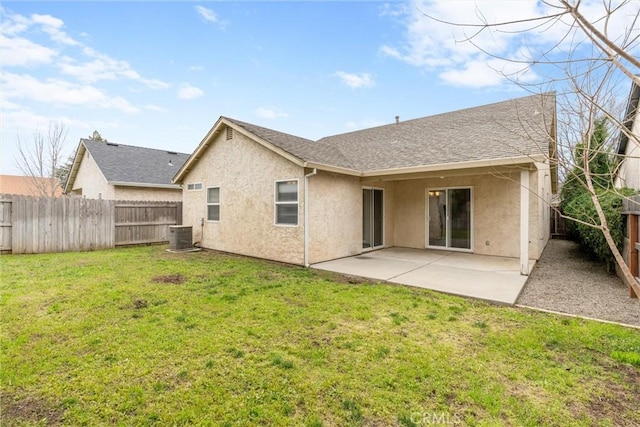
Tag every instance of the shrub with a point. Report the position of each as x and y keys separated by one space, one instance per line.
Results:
x=581 y=207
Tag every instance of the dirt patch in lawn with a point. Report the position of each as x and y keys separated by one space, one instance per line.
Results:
x=28 y=410
x=175 y=279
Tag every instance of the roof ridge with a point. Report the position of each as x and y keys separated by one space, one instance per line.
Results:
x=132 y=146
x=463 y=110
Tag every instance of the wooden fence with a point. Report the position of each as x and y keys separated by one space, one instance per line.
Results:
x=39 y=225
x=145 y=222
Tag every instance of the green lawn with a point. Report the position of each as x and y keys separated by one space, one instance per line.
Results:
x=139 y=336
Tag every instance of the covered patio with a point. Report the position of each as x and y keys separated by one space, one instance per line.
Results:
x=491 y=278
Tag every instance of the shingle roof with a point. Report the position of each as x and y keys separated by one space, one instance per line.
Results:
x=519 y=127
x=514 y=128
x=126 y=163
x=302 y=148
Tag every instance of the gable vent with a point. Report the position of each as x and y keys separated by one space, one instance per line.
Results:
x=229 y=133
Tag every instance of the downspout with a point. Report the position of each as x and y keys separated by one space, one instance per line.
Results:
x=306 y=215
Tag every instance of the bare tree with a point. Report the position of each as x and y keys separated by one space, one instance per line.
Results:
x=590 y=64
x=41 y=160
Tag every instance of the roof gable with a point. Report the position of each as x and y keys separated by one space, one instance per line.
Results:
x=129 y=165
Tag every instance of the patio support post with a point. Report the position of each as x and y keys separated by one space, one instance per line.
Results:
x=306 y=215
x=524 y=222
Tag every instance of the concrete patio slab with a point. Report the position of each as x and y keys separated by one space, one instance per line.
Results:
x=495 y=279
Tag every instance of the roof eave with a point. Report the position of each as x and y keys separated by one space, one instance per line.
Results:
x=330 y=168
x=75 y=166
x=505 y=161
x=145 y=185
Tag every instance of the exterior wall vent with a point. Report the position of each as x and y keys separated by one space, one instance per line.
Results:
x=229 y=133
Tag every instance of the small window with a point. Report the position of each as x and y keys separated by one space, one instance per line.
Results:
x=194 y=186
x=213 y=204
x=287 y=202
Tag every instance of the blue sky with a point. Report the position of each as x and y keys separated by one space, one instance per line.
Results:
x=159 y=74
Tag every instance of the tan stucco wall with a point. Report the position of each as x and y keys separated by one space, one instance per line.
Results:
x=246 y=173
x=335 y=216
x=629 y=173
x=539 y=213
x=149 y=194
x=496 y=211
x=90 y=182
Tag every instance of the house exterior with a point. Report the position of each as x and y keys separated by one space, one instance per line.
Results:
x=629 y=151
x=628 y=175
x=110 y=171
x=29 y=186
x=476 y=180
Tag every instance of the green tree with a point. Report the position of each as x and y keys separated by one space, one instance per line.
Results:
x=601 y=164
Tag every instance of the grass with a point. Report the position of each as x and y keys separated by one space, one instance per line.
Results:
x=139 y=336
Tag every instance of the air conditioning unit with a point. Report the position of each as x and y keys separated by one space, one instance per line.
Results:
x=180 y=237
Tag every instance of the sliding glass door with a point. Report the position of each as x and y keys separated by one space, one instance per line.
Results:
x=372 y=218
x=449 y=218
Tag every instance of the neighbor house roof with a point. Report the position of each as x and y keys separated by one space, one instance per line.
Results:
x=127 y=165
x=522 y=128
x=630 y=115
x=28 y=186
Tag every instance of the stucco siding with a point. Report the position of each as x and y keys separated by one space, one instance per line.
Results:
x=539 y=213
x=148 y=194
x=335 y=216
x=629 y=173
x=90 y=182
x=246 y=173
x=496 y=212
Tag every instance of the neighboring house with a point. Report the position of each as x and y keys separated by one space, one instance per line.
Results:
x=628 y=175
x=29 y=186
x=629 y=150
x=106 y=170
x=454 y=181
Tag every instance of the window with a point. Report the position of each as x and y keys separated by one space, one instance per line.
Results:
x=194 y=186
x=213 y=204
x=287 y=202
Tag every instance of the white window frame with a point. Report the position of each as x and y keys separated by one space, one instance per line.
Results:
x=193 y=184
x=219 y=203
x=276 y=202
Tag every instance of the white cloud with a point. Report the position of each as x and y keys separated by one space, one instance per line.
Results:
x=53 y=26
x=270 y=112
x=209 y=15
x=445 y=48
x=356 y=80
x=186 y=91
x=156 y=108
x=103 y=67
x=196 y=68
x=18 y=51
x=60 y=93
